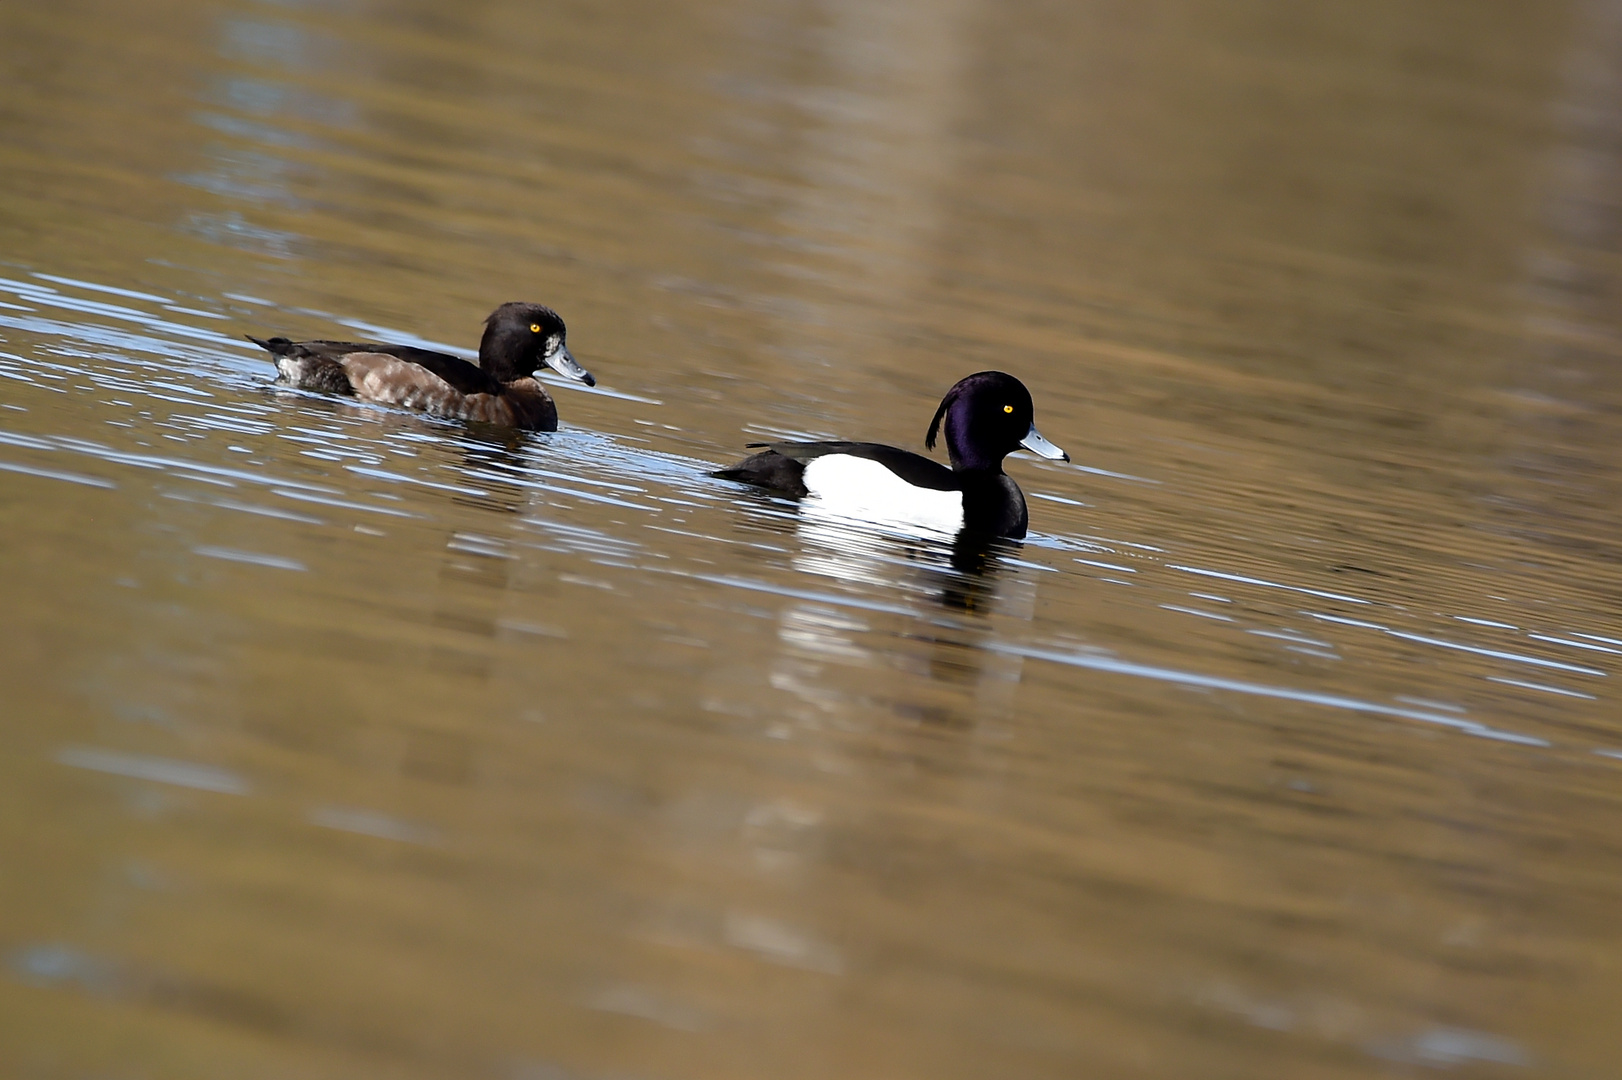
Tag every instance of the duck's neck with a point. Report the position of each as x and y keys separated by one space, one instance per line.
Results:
x=961 y=449
x=990 y=467
x=497 y=350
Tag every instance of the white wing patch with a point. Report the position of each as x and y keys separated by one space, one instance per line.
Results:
x=861 y=488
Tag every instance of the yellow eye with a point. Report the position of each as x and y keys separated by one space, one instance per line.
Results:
x=535 y=328
x=1007 y=408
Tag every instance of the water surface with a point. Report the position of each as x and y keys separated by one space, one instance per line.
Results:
x=341 y=741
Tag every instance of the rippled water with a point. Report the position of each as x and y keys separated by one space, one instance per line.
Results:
x=341 y=741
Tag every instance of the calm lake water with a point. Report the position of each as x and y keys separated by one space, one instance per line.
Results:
x=344 y=742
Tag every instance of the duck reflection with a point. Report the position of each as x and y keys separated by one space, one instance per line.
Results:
x=478 y=569
x=921 y=667
x=493 y=458
x=959 y=573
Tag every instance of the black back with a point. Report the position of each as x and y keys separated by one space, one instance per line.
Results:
x=915 y=469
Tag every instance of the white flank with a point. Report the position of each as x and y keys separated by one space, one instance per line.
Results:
x=863 y=489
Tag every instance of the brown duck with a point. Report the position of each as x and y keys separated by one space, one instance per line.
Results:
x=500 y=389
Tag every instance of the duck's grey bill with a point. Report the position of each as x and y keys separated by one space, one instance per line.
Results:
x=564 y=363
x=1034 y=442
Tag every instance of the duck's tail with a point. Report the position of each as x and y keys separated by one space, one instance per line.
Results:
x=276 y=346
x=305 y=369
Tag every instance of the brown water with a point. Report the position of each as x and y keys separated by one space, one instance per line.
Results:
x=343 y=742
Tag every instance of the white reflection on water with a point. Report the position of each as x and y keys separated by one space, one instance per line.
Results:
x=56 y=474
x=780 y=942
x=1109 y=664
x=371 y=823
x=1496 y=654
x=1446 y=1047
x=821 y=633
x=253 y=558
x=1244 y=580
x=188 y=774
x=1540 y=687
x=643 y=1003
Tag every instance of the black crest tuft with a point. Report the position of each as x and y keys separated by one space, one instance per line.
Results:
x=935 y=424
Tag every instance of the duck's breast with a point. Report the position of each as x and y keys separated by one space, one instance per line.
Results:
x=523 y=403
x=993 y=505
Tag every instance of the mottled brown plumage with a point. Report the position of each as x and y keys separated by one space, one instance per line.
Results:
x=499 y=389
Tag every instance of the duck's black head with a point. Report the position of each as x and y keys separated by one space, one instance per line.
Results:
x=519 y=338
x=988 y=416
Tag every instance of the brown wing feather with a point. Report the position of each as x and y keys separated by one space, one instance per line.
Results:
x=466 y=377
x=392 y=381
x=380 y=377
